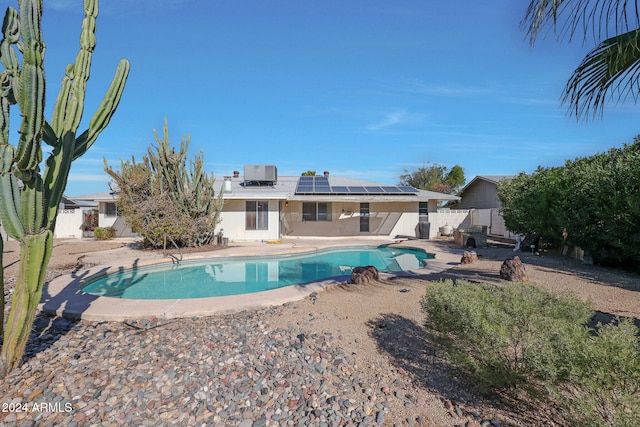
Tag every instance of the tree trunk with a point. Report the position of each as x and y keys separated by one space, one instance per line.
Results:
x=35 y=251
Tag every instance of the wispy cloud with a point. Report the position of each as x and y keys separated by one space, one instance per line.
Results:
x=395 y=118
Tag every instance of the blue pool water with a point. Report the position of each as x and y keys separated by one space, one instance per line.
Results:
x=233 y=276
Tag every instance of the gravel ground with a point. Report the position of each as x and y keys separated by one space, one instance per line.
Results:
x=351 y=355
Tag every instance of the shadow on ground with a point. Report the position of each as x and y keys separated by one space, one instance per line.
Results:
x=411 y=348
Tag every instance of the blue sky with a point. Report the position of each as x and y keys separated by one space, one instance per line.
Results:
x=362 y=88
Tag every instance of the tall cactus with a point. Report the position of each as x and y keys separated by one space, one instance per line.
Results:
x=175 y=201
x=29 y=200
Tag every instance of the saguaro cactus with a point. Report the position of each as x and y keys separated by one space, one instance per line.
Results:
x=29 y=200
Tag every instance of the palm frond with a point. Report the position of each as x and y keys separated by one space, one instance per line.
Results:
x=596 y=18
x=612 y=69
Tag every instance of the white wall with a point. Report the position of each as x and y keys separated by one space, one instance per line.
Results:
x=69 y=223
x=456 y=218
x=233 y=222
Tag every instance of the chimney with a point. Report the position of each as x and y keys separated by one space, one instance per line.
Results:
x=326 y=174
x=236 y=174
x=227 y=184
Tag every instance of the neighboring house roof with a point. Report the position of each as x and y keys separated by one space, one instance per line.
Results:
x=70 y=203
x=494 y=179
x=285 y=189
x=106 y=196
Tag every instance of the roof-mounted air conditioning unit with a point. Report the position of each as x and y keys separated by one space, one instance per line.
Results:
x=260 y=173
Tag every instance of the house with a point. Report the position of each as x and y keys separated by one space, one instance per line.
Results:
x=481 y=196
x=72 y=214
x=264 y=206
x=108 y=215
x=71 y=217
x=260 y=205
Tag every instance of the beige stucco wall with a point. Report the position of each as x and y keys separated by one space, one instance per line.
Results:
x=233 y=222
x=285 y=219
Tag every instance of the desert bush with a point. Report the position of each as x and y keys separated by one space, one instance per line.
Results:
x=521 y=335
x=107 y=233
x=603 y=388
x=504 y=335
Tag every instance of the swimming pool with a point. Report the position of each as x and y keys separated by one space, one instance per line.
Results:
x=243 y=275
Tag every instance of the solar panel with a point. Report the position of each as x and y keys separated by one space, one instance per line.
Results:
x=339 y=189
x=407 y=189
x=357 y=189
x=374 y=189
x=391 y=189
x=320 y=185
x=321 y=179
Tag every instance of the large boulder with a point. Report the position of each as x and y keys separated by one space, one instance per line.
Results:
x=513 y=270
x=365 y=274
x=469 y=257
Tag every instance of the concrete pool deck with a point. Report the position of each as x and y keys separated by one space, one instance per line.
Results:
x=63 y=295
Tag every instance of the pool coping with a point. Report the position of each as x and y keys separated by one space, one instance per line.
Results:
x=62 y=296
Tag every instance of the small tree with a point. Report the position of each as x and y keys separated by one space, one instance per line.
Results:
x=435 y=177
x=163 y=199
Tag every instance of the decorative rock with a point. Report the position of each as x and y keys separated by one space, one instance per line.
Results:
x=469 y=257
x=360 y=275
x=513 y=270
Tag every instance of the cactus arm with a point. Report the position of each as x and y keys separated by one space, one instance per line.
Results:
x=49 y=135
x=31 y=89
x=57 y=119
x=69 y=106
x=9 y=206
x=11 y=35
x=32 y=205
x=55 y=177
x=105 y=111
x=4 y=111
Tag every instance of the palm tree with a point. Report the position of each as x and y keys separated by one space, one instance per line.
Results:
x=612 y=68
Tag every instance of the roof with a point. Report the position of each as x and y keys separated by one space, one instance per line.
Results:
x=493 y=179
x=106 y=196
x=70 y=203
x=285 y=189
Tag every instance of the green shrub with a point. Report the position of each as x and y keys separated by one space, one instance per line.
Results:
x=596 y=198
x=504 y=335
x=521 y=335
x=603 y=388
x=107 y=233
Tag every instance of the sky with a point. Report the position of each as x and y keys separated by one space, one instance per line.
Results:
x=366 y=89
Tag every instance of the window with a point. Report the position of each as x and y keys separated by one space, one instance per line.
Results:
x=110 y=209
x=364 y=217
x=423 y=209
x=257 y=215
x=316 y=211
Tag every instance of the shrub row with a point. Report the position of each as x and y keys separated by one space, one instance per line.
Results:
x=596 y=198
x=518 y=335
